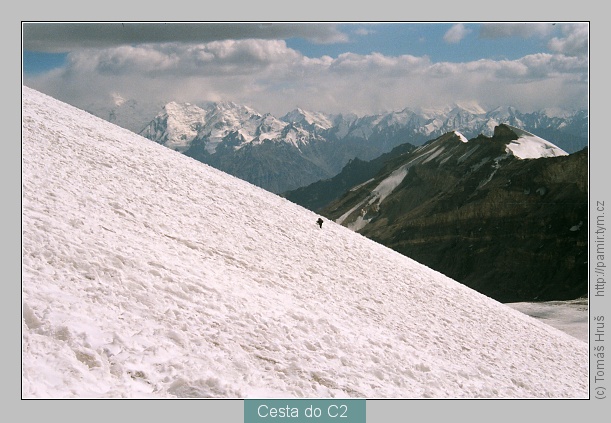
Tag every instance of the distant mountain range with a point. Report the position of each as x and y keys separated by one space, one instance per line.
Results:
x=302 y=147
x=505 y=215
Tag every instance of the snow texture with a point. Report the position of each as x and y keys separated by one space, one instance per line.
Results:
x=147 y=274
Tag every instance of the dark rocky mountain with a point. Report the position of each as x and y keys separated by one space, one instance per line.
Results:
x=318 y=194
x=270 y=165
x=505 y=215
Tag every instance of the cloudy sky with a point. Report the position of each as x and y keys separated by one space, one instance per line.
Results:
x=330 y=67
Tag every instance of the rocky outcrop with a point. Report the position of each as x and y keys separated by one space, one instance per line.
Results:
x=320 y=193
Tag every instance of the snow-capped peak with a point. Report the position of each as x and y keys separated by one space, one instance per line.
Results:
x=471 y=107
x=236 y=111
x=554 y=112
x=317 y=119
x=182 y=123
x=529 y=146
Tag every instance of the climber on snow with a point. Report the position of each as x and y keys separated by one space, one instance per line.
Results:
x=319 y=221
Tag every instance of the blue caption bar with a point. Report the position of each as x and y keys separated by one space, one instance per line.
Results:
x=305 y=410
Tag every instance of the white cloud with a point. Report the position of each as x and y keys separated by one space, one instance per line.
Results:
x=456 y=34
x=271 y=77
x=364 y=31
x=574 y=42
x=178 y=60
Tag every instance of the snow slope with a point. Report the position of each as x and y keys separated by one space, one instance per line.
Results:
x=146 y=274
x=529 y=146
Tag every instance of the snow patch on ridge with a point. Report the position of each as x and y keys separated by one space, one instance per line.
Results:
x=529 y=146
x=461 y=137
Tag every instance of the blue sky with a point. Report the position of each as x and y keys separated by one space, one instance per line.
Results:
x=423 y=39
x=35 y=62
x=322 y=66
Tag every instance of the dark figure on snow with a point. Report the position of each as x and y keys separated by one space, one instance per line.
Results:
x=319 y=221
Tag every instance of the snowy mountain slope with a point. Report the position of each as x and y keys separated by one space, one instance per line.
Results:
x=146 y=274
